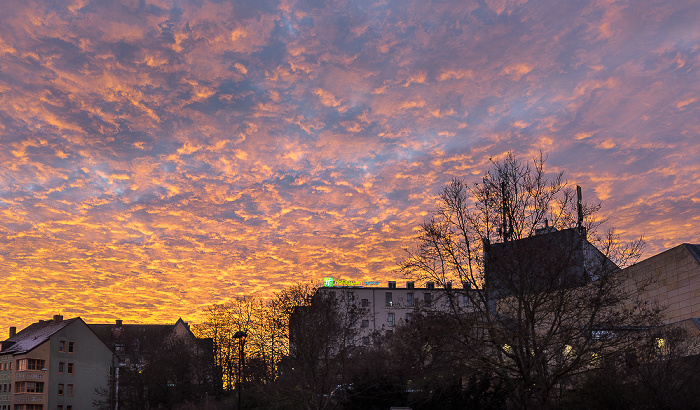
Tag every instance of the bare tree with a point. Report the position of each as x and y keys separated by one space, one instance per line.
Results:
x=545 y=293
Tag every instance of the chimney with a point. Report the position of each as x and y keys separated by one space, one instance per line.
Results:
x=57 y=318
x=119 y=323
x=13 y=331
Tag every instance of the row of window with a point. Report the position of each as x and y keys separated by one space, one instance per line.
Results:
x=391 y=320
x=66 y=389
x=37 y=364
x=410 y=300
x=29 y=387
x=30 y=364
x=62 y=346
x=38 y=387
x=6 y=366
x=68 y=407
x=28 y=407
x=62 y=368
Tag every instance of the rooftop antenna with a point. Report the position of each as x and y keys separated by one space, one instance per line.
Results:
x=504 y=223
x=579 y=207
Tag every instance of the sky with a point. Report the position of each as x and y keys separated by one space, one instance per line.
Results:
x=162 y=156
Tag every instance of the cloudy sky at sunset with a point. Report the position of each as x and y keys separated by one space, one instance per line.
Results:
x=161 y=156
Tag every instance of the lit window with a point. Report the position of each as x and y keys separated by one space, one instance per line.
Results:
x=507 y=349
x=391 y=319
x=70 y=368
x=409 y=299
x=71 y=347
x=661 y=345
x=389 y=299
x=567 y=349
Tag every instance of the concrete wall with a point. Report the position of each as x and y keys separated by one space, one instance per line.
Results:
x=91 y=360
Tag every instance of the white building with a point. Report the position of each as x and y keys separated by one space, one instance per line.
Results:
x=380 y=309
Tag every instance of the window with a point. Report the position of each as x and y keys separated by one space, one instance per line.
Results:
x=29 y=387
x=409 y=299
x=70 y=368
x=35 y=364
x=69 y=407
x=59 y=407
x=465 y=300
x=365 y=323
x=409 y=316
x=71 y=347
x=30 y=364
x=69 y=389
x=61 y=367
x=62 y=346
x=365 y=340
x=389 y=299
x=389 y=333
x=365 y=302
x=60 y=389
x=428 y=298
x=350 y=298
x=391 y=319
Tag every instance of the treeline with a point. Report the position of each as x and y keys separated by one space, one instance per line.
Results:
x=424 y=364
x=266 y=325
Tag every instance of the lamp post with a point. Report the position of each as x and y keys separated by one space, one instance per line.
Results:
x=240 y=335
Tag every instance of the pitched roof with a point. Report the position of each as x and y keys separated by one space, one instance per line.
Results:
x=111 y=333
x=33 y=335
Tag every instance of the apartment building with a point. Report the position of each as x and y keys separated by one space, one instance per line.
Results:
x=376 y=311
x=55 y=364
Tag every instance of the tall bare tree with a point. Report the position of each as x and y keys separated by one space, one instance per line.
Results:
x=545 y=295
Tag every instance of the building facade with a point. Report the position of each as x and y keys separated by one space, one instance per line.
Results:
x=370 y=313
x=55 y=364
x=671 y=280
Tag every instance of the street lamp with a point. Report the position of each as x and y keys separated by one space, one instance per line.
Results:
x=240 y=335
